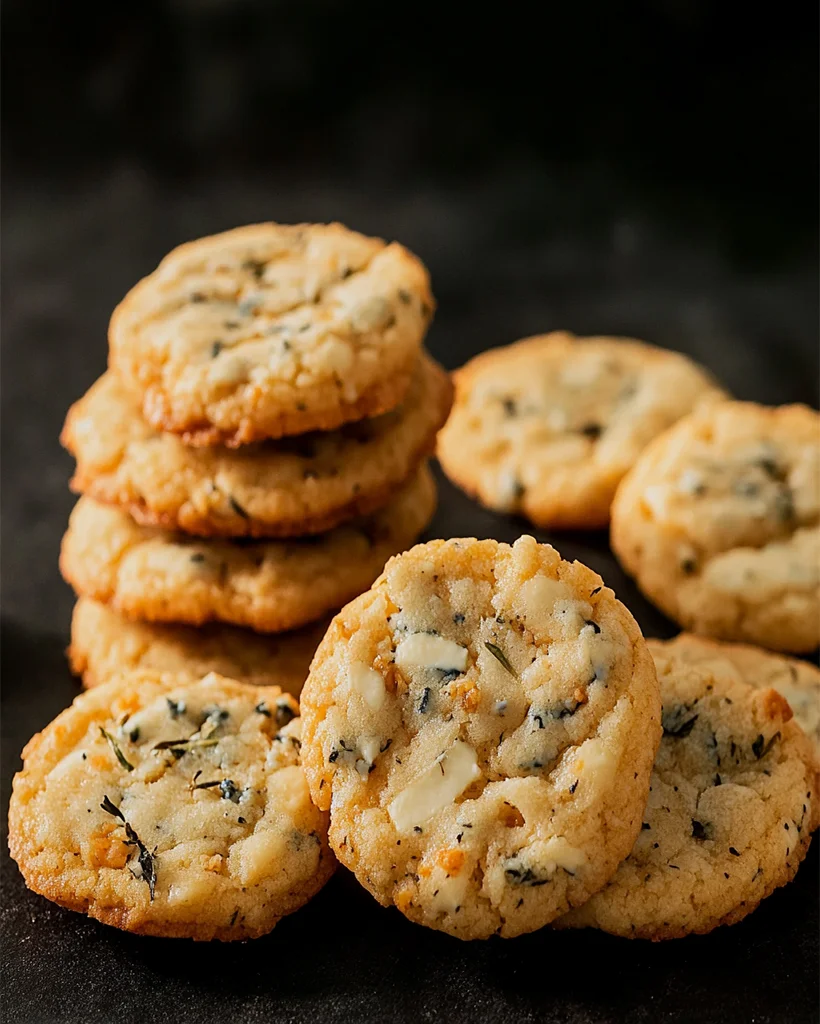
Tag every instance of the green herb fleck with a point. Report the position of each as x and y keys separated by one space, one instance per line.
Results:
x=675 y=723
x=500 y=657
x=111 y=808
x=126 y=764
x=145 y=860
x=237 y=507
x=760 y=748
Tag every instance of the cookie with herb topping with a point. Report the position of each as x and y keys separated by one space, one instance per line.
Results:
x=796 y=680
x=285 y=488
x=105 y=644
x=481 y=725
x=719 y=523
x=178 y=810
x=730 y=807
x=548 y=427
x=268 y=585
x=270 y=330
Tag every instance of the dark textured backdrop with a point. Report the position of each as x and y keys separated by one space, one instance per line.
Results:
x=645 y=169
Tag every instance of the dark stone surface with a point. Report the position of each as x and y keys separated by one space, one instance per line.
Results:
x=500 y=270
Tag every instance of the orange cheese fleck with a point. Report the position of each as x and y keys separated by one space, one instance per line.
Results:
x=404 y=899
x=451 y=861
x=107 y=851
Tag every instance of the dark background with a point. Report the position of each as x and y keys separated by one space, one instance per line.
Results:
x=646 y=169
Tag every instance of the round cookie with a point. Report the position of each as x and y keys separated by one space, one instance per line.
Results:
x=104 y=645
x=287 y=488
x=178 y=810
x=796 y=680
x=270 y=330
x=271 y=586
x=719 y=523
x=729 y=814
x=481 y=725
x=547 y=427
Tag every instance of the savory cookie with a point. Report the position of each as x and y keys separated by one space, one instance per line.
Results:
x=270 y=330
x=104 y=645
x=719 y=523
x=796 y=680
x=284 y=488
x=482 y=725
x=547 y=427
x=171 y=809
x=730 y=807
x=271 y=586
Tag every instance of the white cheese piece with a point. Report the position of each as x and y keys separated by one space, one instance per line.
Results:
x=537 y=598
x=252 y=860
x=448 y=890
x=369 y=684
x=231 y=370
x=690 y=481
x=571 y=615
x=656 y=498
x=507 y=491
x=370 y=748
x=558 y=853
x=424 y=650
x=435 y=788
x=594 y=759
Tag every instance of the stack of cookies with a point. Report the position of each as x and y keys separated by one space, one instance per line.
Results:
x=254 y=454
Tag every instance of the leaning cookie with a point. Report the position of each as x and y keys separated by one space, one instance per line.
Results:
x=271 y=586
x=547 y=427
x=269 y=330
x=796 y=680
x=170 y=809
x=719 y=523
x=482 y=725
x=285 y=488
x=104 y=645
x=729 y=815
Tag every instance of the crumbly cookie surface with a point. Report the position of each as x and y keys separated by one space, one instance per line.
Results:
x=547 y=427
x=796 y=680
x=105 y=644
x=268 y=585
x=284 y=488
x=719 y=523
x=270 y=330
x=729 y=814
x=178 y=810
x=481 y=725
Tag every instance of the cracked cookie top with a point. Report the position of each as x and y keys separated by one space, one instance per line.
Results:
x=482 y=725
x=719 y=523
x=270 y=330
x=171 y=809
x=730 y=809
